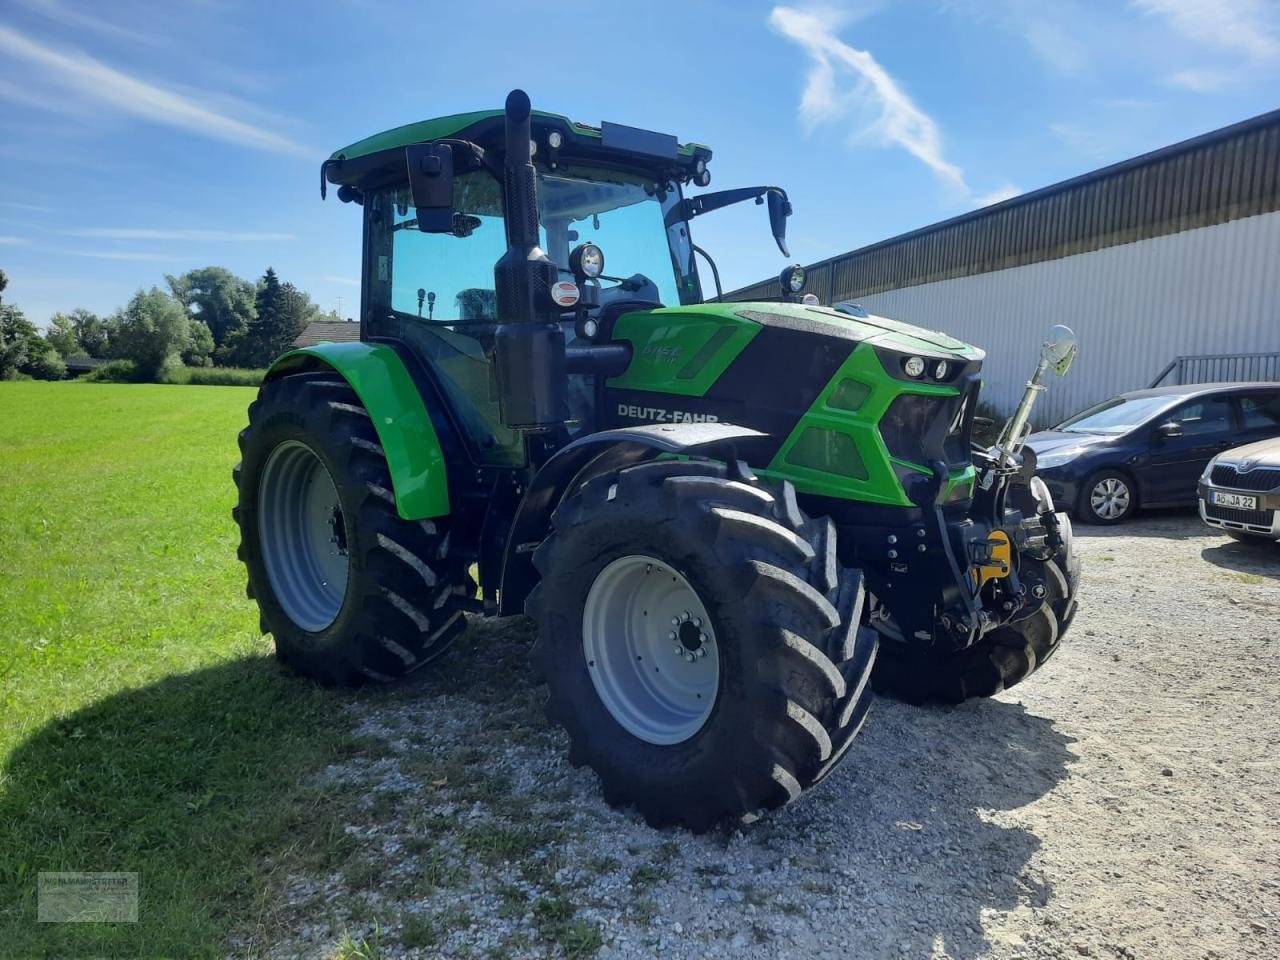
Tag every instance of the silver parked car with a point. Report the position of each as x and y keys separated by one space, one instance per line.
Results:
x=1240 y=491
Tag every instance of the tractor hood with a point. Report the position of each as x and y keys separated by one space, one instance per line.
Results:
x=852 y=322
x=781 y=367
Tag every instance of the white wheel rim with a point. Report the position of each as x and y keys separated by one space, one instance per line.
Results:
x=1109 y=498
x=303 y=536
x=650 y=650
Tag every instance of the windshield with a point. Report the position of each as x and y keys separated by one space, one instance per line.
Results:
x=1117 y=415
x=623 y=214
x=445 y=277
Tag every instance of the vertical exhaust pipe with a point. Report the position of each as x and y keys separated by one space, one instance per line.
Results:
x=529 y=343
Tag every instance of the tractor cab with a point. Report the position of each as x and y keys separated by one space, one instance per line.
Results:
x=612 y=218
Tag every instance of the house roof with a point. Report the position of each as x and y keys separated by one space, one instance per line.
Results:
x=332 y=331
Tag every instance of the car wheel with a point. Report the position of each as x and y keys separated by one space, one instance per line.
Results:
x=1108 y=496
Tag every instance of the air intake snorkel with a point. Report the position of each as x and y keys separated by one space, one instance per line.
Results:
x=529 y=342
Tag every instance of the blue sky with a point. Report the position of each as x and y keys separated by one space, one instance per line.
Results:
x=138 y=139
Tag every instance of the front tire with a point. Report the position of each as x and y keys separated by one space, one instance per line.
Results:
x=635 y=558
x=350 y=591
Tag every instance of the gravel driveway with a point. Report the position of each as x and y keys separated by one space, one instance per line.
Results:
x=1122 y=803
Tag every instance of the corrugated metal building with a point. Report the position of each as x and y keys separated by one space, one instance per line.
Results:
x=1173 y=253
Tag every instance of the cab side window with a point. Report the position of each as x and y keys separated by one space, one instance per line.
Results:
x=1204 y=417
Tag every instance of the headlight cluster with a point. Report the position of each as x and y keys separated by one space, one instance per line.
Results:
x=1057 y=457
x=915 y=368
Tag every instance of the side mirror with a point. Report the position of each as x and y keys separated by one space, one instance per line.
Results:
x=431 y=184
x=779 y=210
x=1059 y=350
x=1169 y=430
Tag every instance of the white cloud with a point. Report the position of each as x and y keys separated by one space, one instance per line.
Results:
x=899 y=120
x=345 y=281
x=1248 y=27
x=33 y=207
x=220 y=236
x=78 y=19
x=11 y=241
x=93 y=80
x=1007 y=192
x=1081 y=140
x=1199 y=81
x=119 y=255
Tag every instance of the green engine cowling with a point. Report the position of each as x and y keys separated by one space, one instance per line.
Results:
x=833 y=390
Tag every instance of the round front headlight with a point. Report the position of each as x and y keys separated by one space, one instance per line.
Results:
x=940 y=371
x=793 y=278
x=554 y=139
x=913 y=366
x=586 y=261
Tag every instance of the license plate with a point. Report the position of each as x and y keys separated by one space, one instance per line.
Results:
x=1239 y=501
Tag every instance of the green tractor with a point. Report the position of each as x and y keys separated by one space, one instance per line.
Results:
x=716 y=513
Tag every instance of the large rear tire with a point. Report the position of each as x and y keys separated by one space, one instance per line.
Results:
x=350 y=591
x=701 y=644
x=1000 y=659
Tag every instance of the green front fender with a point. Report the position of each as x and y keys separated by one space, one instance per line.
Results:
x=380 y=379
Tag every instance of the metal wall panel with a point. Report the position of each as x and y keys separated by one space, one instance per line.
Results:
x=1134 y=307
x=1215 y=178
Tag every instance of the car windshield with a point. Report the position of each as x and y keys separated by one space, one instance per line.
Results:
x=1117 y=415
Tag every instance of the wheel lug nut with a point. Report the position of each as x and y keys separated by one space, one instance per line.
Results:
x=702 y=638
x=675 y=621
x=697 y=621
x=702 y=651
x=689 y=657
x=671 y=635
x=685 y=616
x=678 y=649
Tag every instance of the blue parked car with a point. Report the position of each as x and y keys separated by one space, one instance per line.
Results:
x=1148 y=448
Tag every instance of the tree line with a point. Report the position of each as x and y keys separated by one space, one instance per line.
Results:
x=207 y=317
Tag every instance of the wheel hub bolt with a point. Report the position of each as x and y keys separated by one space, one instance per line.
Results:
x=685 y=616
x=671 y=635
x=678 y=649
x=1038 y=591
x=689 y=657
x=675 y=621
x=893 y=554
x=893 y=538
x=697 y=621
x=702 y=651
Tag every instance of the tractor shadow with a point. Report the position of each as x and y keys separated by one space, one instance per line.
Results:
x=198 y=782
x=902 y=850
x=914 y=829
x=215 y=787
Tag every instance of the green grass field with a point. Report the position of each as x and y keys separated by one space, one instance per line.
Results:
x=144 y=726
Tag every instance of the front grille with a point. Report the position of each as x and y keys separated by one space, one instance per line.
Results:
x=1254 y=518
x=920 y=428
x=1224 y=475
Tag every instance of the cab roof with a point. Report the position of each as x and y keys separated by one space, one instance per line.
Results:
x=379 y=157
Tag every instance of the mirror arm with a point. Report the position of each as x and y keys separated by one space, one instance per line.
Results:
x=692 y=207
